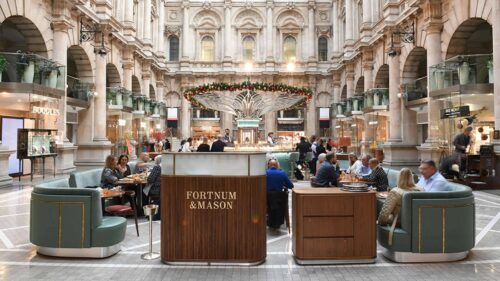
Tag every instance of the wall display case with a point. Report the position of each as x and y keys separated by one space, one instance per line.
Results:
x=36 y=143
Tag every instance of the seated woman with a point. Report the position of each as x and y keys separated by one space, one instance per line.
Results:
x=377 y=176
x=109 y=174
x=392 y=205
x=123 y=168
x=154 y=181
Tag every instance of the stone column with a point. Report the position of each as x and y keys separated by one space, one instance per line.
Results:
x=146 y=38
x=367 y=20
x=336 y=99
x=161 y=31
x=336 y=29
x=226 y=121
x=129 y=16
x=269 y=36
x=185 y=119
x=496 y=73
x=146 y=80
x=160 y=88
x=375 y=12
x=100 y=99
x=369 y=131
x=65 y=149
x=227 y=33
x=349 y=20
x=311 y=116
x=311 y=45
x=270 y=120
x=394 y=100
x=140 y=21
x=185 y=56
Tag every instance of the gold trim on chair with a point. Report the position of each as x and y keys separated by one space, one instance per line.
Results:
x=443 y=222
x=59 y=227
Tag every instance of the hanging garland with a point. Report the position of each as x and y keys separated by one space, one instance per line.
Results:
x=247 y=85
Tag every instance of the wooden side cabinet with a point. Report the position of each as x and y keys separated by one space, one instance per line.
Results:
x=331 y=226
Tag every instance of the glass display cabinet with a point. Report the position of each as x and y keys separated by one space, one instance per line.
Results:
x=36 y=143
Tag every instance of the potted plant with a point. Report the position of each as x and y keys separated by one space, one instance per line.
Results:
x=119 y=97
x=25 y=67
x=49 y=70
x=368 y=99
x=463 y=71
x=385 y=97
x=3 y=65
x=489 y=65
x=376 y=97
x=111 y=96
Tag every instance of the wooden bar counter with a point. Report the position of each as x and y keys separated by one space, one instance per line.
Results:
x=331 y=226
x=213 y=208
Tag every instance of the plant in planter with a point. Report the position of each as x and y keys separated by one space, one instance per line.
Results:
x=49 y=71
x=26 y=67
x=111 y=96
x=3 y=65
x=119 y=97
x=463 y=70
x=489 y=65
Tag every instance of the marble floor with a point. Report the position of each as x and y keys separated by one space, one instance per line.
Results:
x=19 y=261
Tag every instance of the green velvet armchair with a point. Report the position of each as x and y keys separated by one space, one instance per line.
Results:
x=68 y=222
x=435 y=227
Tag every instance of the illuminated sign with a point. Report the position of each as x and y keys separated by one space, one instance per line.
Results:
x=45 y=110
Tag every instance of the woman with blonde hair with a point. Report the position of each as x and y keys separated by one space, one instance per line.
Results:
x=392 y=205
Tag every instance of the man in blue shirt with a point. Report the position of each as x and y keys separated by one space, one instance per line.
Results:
x=276 y=181
x=431 y=179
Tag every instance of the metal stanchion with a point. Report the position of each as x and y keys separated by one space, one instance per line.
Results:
x=150 y=210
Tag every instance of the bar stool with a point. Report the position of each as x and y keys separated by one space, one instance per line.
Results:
x=125 y=210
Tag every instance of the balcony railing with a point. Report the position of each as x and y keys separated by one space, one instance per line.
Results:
x=376 y=97
x=416 y=89
x=355 y=104
x=118 y=96
x=31 y=69
x=462 y=70
x=78 y=89
x=340 y=109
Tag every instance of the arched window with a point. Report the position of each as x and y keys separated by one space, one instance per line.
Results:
x=289 y=49
x=322 y=49
x=248 y=48
x=207 y=49
x=173 y=48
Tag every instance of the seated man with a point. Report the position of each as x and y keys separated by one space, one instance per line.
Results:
x=431 y=179
x=377 y=176
x=450 y=166
x=328 y=172
x=276 y=181
x=321 y=159
x=142 y=163
x=362 y=168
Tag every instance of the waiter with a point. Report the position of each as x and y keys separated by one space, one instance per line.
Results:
x=227 y=138
x=461 y=142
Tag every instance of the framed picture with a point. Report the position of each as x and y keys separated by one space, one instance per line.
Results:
x=496 y=134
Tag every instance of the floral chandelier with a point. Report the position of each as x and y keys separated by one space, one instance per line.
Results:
x=248 y=100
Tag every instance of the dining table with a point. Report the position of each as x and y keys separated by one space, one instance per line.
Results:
x=138 y=185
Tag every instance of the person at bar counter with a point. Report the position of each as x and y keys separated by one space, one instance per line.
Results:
x=450 y=166
x=203 y=147
x=277 y=182
x=431 y=179
x=218 y=145
x=228 y=140
x=303 y=147
x=186 y=147
x=154 y=185
x=377 y=176
x=109 y=174
x=142 y=163
x=123 y=168
x=392 y=204
x=270 y=139
x=461 y=142
x=328 y=173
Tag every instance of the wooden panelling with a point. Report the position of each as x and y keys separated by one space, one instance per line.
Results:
x=331 y=224
x=328 y=226
x=209 y=235
x=328 y=248
x=328 y=206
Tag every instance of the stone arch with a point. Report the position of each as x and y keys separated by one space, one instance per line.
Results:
x=152 y=93
x=20 y=33
x=415 y=65
x=248 y=19
x=360 y=86
x=473 y=36
x=112 y=76
x=79 y=65
x=172 y=99
x=207 y=19
x=136 y=86
x=290 y=19
x=343 y=93
x=382 y=77
x=461 y=13
x=323 y=99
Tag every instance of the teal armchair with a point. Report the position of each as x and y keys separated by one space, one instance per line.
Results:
x=435 y=227
x=68 y=222
x=86 y=178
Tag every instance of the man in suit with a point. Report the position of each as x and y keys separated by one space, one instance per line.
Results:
x=277 y=182
x=218 y=145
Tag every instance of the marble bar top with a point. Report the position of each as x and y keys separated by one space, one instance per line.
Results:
x=214 y=163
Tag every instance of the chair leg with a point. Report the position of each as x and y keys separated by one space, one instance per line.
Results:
x=135 y=216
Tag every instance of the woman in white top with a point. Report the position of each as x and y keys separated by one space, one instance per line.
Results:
x=186 y=147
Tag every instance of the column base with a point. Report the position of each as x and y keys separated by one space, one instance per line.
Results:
x=270 y=64
x=5 y=179
x=92 y=154
x=430 y=151
x=401 y=155
x=65 y=160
